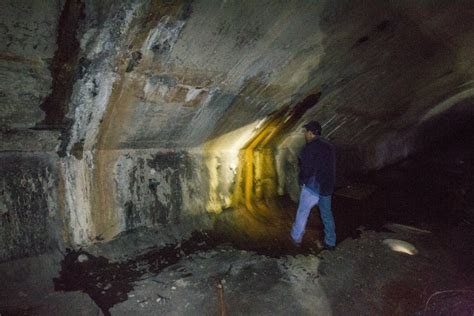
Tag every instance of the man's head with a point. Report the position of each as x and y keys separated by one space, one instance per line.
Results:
x=312 y=130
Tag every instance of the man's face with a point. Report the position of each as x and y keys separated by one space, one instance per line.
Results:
x=308 y=135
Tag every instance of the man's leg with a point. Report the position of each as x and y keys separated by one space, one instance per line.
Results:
x=328 y=220
x=308 y=199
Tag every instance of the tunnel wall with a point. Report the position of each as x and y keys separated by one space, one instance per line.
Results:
x=30 y=187
x=30 y=205
x=166 y=191
x=27 y=46
x=161 y=190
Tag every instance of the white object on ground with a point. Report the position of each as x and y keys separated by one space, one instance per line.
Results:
x=401 y=246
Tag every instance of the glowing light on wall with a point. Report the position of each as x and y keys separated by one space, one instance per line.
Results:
x=243 y=161
x=222 y=161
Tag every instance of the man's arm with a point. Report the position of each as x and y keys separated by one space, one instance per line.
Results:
x=306 y=166
x=332 y=165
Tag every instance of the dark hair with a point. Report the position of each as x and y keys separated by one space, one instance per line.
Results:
x=314 y=127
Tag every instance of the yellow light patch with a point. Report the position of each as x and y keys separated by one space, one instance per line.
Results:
x=247 y=157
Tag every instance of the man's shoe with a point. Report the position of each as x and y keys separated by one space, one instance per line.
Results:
x=295 y=243
x=327 y=247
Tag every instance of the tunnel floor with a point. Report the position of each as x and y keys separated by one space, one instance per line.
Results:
x=247 y=265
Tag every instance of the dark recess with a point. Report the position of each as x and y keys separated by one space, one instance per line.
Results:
x=306 y=104
x=382 y=26
x=134 y=61
x=363 y=39
x=64 y=67
x=78 y=149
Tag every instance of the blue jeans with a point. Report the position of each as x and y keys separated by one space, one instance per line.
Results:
x=308 y=199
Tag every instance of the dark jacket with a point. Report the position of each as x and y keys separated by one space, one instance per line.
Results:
x=318 y=158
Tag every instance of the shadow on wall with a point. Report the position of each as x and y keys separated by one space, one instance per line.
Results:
x=453 y=127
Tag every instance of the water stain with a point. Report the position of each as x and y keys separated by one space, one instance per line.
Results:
x=107 y=283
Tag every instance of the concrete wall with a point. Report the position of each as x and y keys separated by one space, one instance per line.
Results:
x=27 y=46
x=29 y=205
x=30 y=194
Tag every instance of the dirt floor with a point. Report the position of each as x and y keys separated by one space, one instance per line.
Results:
x=406 y=247
x=432 y=275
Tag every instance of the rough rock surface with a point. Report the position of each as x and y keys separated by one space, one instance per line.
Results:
x=361 y=277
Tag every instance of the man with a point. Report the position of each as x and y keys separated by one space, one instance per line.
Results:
x=317 y=176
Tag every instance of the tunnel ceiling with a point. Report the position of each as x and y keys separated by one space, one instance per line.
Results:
x=178 y=74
